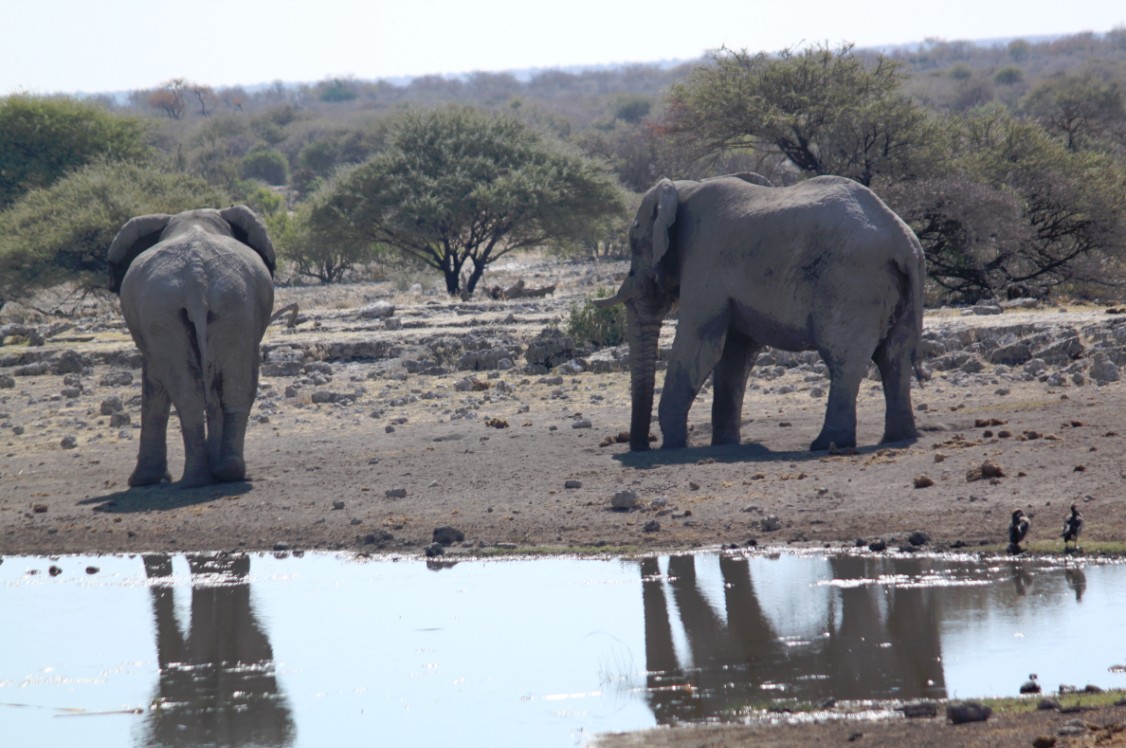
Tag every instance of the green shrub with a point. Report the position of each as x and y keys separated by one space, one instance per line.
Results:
x=600 y=327
x=62 y=232
x=266 y=164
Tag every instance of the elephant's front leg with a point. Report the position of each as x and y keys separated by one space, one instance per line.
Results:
x=730 y=382
x=695 y=351
x=152 y=455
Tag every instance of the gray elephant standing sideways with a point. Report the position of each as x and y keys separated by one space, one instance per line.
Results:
x=196 y=291
x=823 y=265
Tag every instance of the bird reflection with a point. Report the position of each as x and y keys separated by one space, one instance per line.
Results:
x=874 y=641
x=217 y=683
x=1022 y=579
x=1076 y=581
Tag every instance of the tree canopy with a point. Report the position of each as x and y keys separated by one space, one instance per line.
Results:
x=827 y=112
x=62 y=232
x=42 y=139
x=459 y=188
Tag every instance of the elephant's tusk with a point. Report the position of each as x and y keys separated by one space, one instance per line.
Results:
x=618 y=298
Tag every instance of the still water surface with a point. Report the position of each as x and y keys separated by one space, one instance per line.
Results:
x=312 y=651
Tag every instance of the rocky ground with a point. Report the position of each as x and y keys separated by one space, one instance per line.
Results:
x=387 y=413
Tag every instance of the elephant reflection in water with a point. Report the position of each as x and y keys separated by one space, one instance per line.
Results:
x=746 y=659
x=217 y=684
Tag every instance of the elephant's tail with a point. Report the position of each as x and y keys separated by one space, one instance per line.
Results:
x=916 y=272
x=197 y=313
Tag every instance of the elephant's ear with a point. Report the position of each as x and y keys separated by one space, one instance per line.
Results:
x=667 y=202
x=137 y=235
x=249 y=229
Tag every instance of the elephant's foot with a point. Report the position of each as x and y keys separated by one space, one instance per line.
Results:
x=721 y=437
x=148 y=476
x=900 y=435
x=230 y=470
x=674 y=443
x=196 y=477
x=825 y=442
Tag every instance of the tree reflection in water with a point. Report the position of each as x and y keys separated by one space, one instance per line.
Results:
x=217 y=684
x=848 y=642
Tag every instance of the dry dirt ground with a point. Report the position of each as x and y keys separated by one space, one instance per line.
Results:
x=366 y=437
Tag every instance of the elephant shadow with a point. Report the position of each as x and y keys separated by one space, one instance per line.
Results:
x=729 y=453
x=217 y=682
x=164 y=496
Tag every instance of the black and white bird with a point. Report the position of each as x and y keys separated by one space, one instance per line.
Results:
x=1072 y=526
x=1018 y=528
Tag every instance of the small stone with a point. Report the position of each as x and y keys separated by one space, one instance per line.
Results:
x=651 y=526
x=918 y=538
x=397 y=492
x=338 y=504
x=693 y=486
x=625 y=500
x=281 y=546
x=434 y=549
x=582 y=423
x=923 y=481
x=69 y=442
x=54 y=571
x=877 y=546
x=968 y=711
x=919 y=709
x=572 y=483
x=447 y=535
x=39 y=508
x=770 y=524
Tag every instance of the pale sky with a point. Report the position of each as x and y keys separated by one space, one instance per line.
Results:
x=69 y=46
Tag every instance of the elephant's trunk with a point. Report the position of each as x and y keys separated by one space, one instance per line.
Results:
x=644 y=331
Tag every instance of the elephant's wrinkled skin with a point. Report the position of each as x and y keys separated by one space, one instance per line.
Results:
x=823 y=265
x=196 y=291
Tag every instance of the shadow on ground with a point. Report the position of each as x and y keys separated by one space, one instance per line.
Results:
x=163 y=497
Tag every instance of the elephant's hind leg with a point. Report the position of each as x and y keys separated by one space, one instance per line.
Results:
x=895 y=373
x=230 y=465
x=730 y=381
x=840 y=413
x=152 y=456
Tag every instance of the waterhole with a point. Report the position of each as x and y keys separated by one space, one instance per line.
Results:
x=262 y=650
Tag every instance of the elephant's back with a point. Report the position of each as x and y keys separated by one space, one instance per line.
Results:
x=221 y=272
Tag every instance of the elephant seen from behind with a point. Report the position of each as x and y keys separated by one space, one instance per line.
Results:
x=823 y=265
x=196 y=292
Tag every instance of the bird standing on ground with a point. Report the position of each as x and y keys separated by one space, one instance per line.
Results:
x=1018 y=528
x=1072 y=526
x=1030 y=685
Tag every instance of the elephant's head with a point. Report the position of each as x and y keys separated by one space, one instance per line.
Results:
x=144 y=232
x=648 y=292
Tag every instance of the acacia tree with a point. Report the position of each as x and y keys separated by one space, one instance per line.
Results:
x=1014 y=207
x=459 y=188
x=827 y=112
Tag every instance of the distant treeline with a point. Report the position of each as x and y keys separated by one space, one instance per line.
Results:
x=1007 y=159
